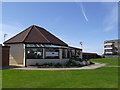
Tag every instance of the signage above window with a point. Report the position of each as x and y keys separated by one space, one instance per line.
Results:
x=52 y=54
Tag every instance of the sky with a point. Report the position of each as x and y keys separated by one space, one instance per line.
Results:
x=73 y=22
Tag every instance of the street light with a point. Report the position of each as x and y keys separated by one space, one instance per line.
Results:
x=5 y=36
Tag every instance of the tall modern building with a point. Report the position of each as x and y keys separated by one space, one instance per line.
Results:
x=112 y=47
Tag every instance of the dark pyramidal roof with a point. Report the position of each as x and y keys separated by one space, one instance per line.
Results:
x=35 y=34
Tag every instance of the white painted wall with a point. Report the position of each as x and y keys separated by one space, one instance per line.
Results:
x=43 y=61
x=17 y=55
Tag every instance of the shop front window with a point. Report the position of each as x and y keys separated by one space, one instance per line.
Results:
x=51 y=53
x=34 y=53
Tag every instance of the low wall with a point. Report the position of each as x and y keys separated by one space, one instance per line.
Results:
x=112 y=56
x=43 y=61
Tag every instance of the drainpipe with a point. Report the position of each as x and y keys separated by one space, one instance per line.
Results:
x=25 y=60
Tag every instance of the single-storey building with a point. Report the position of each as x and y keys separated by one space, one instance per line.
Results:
x=35 y=45
x=86 y=55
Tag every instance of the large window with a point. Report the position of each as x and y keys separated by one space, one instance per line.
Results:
x=78 y=52
x=68 y=53
x=34 y=53
x=51 y=53
x=73 y=52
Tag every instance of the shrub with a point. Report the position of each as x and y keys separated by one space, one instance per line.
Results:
x=58 y=65
x=51 y=64
x=37 y=64
x=45 y=64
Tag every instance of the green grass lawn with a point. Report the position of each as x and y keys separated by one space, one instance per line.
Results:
x=108 y=61
x=104 y=77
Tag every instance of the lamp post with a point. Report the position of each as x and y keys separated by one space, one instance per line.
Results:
x=5 y=36
x=81 y=43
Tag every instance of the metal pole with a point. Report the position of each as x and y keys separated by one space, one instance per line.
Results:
x=81 y=52
x=5 y=36
x=81 y=48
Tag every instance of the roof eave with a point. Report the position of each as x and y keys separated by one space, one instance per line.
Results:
x=33 y=43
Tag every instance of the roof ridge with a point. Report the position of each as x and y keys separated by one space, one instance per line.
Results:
x=28 y=33
x=51 y=34
x=15 y=36
x=42 y=34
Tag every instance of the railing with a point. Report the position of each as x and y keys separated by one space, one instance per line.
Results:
x=108 y=47
x=108 y=44
x=108 y=52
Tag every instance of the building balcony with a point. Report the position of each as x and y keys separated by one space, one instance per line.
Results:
x=108 y=47
x=108 y=52
x=108 y=44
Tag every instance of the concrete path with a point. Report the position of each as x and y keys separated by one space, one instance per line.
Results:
x=94 y=66
x=112 y=66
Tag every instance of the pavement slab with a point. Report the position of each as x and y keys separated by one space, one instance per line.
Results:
x=94 y=66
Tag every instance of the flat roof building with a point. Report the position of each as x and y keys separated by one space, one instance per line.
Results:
x=35 y=45
x=88 y=55
x=112 y=47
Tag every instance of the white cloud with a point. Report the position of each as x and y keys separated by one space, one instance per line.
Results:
x=111 y=20
x=83 y=12
x=108 y=28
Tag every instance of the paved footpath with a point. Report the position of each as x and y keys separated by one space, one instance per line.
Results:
x=112 y=66
x=94 y=66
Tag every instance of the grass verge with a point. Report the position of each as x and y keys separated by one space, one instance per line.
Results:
x=108 y=61
x=105 y=77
